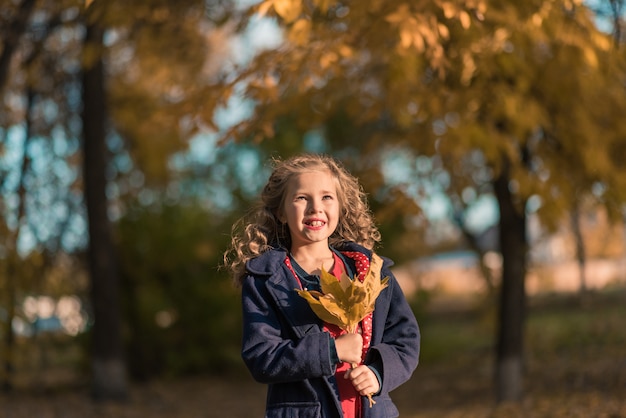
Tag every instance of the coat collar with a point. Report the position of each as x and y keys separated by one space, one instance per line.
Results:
x=281 y=284
x=270 y=261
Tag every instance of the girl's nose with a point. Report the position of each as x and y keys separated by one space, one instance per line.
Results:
x=314 y=207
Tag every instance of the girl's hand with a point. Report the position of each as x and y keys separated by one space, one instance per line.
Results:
x=349 y=348
x=364 y=380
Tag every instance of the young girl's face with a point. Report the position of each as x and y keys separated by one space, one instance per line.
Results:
x=311 y=208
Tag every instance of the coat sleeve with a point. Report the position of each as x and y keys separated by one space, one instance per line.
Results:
x=397 y=350
x=271 y=349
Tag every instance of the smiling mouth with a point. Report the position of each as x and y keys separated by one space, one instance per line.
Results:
x=315 y=223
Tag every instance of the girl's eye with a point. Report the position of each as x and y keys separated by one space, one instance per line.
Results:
x=327 y=197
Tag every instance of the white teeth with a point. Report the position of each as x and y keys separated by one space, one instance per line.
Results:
x=317 y=223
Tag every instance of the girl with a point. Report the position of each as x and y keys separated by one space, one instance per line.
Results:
x=313 y=214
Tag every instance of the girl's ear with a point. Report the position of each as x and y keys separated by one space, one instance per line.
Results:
x=281 y=217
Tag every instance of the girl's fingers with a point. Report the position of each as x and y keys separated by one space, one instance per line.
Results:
x=363 y=380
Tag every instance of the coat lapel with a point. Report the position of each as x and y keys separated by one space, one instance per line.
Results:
x=295 y=309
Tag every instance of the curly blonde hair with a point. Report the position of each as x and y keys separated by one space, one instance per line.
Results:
x=261 y=230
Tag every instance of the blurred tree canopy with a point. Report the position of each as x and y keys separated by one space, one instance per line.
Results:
x=132 y=82
x=520 y=100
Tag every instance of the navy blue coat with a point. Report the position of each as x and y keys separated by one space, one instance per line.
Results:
x=284 y=344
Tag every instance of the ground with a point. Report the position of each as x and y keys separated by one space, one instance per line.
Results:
x=575 y=367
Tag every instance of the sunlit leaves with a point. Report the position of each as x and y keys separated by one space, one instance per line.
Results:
x=289 y=10
x=529 y=81
x=334 y=50
x=452 y=10
x=300 y=32
x=424 y=33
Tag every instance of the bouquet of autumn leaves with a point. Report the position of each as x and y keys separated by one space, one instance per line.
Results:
x=344 y=302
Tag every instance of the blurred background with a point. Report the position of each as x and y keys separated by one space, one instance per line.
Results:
x=489 y=136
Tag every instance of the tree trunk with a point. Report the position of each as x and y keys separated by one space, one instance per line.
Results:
x=109 y=370
x=580 y=249
x=472 y=241
x=8 y=336
x=512 y=309
x=13 y=259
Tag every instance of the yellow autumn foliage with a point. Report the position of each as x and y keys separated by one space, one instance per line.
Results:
x=344 y=302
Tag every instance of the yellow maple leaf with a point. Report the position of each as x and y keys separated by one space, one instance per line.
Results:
x=344 y=302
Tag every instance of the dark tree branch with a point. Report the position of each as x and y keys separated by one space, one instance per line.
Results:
x=12 y=37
